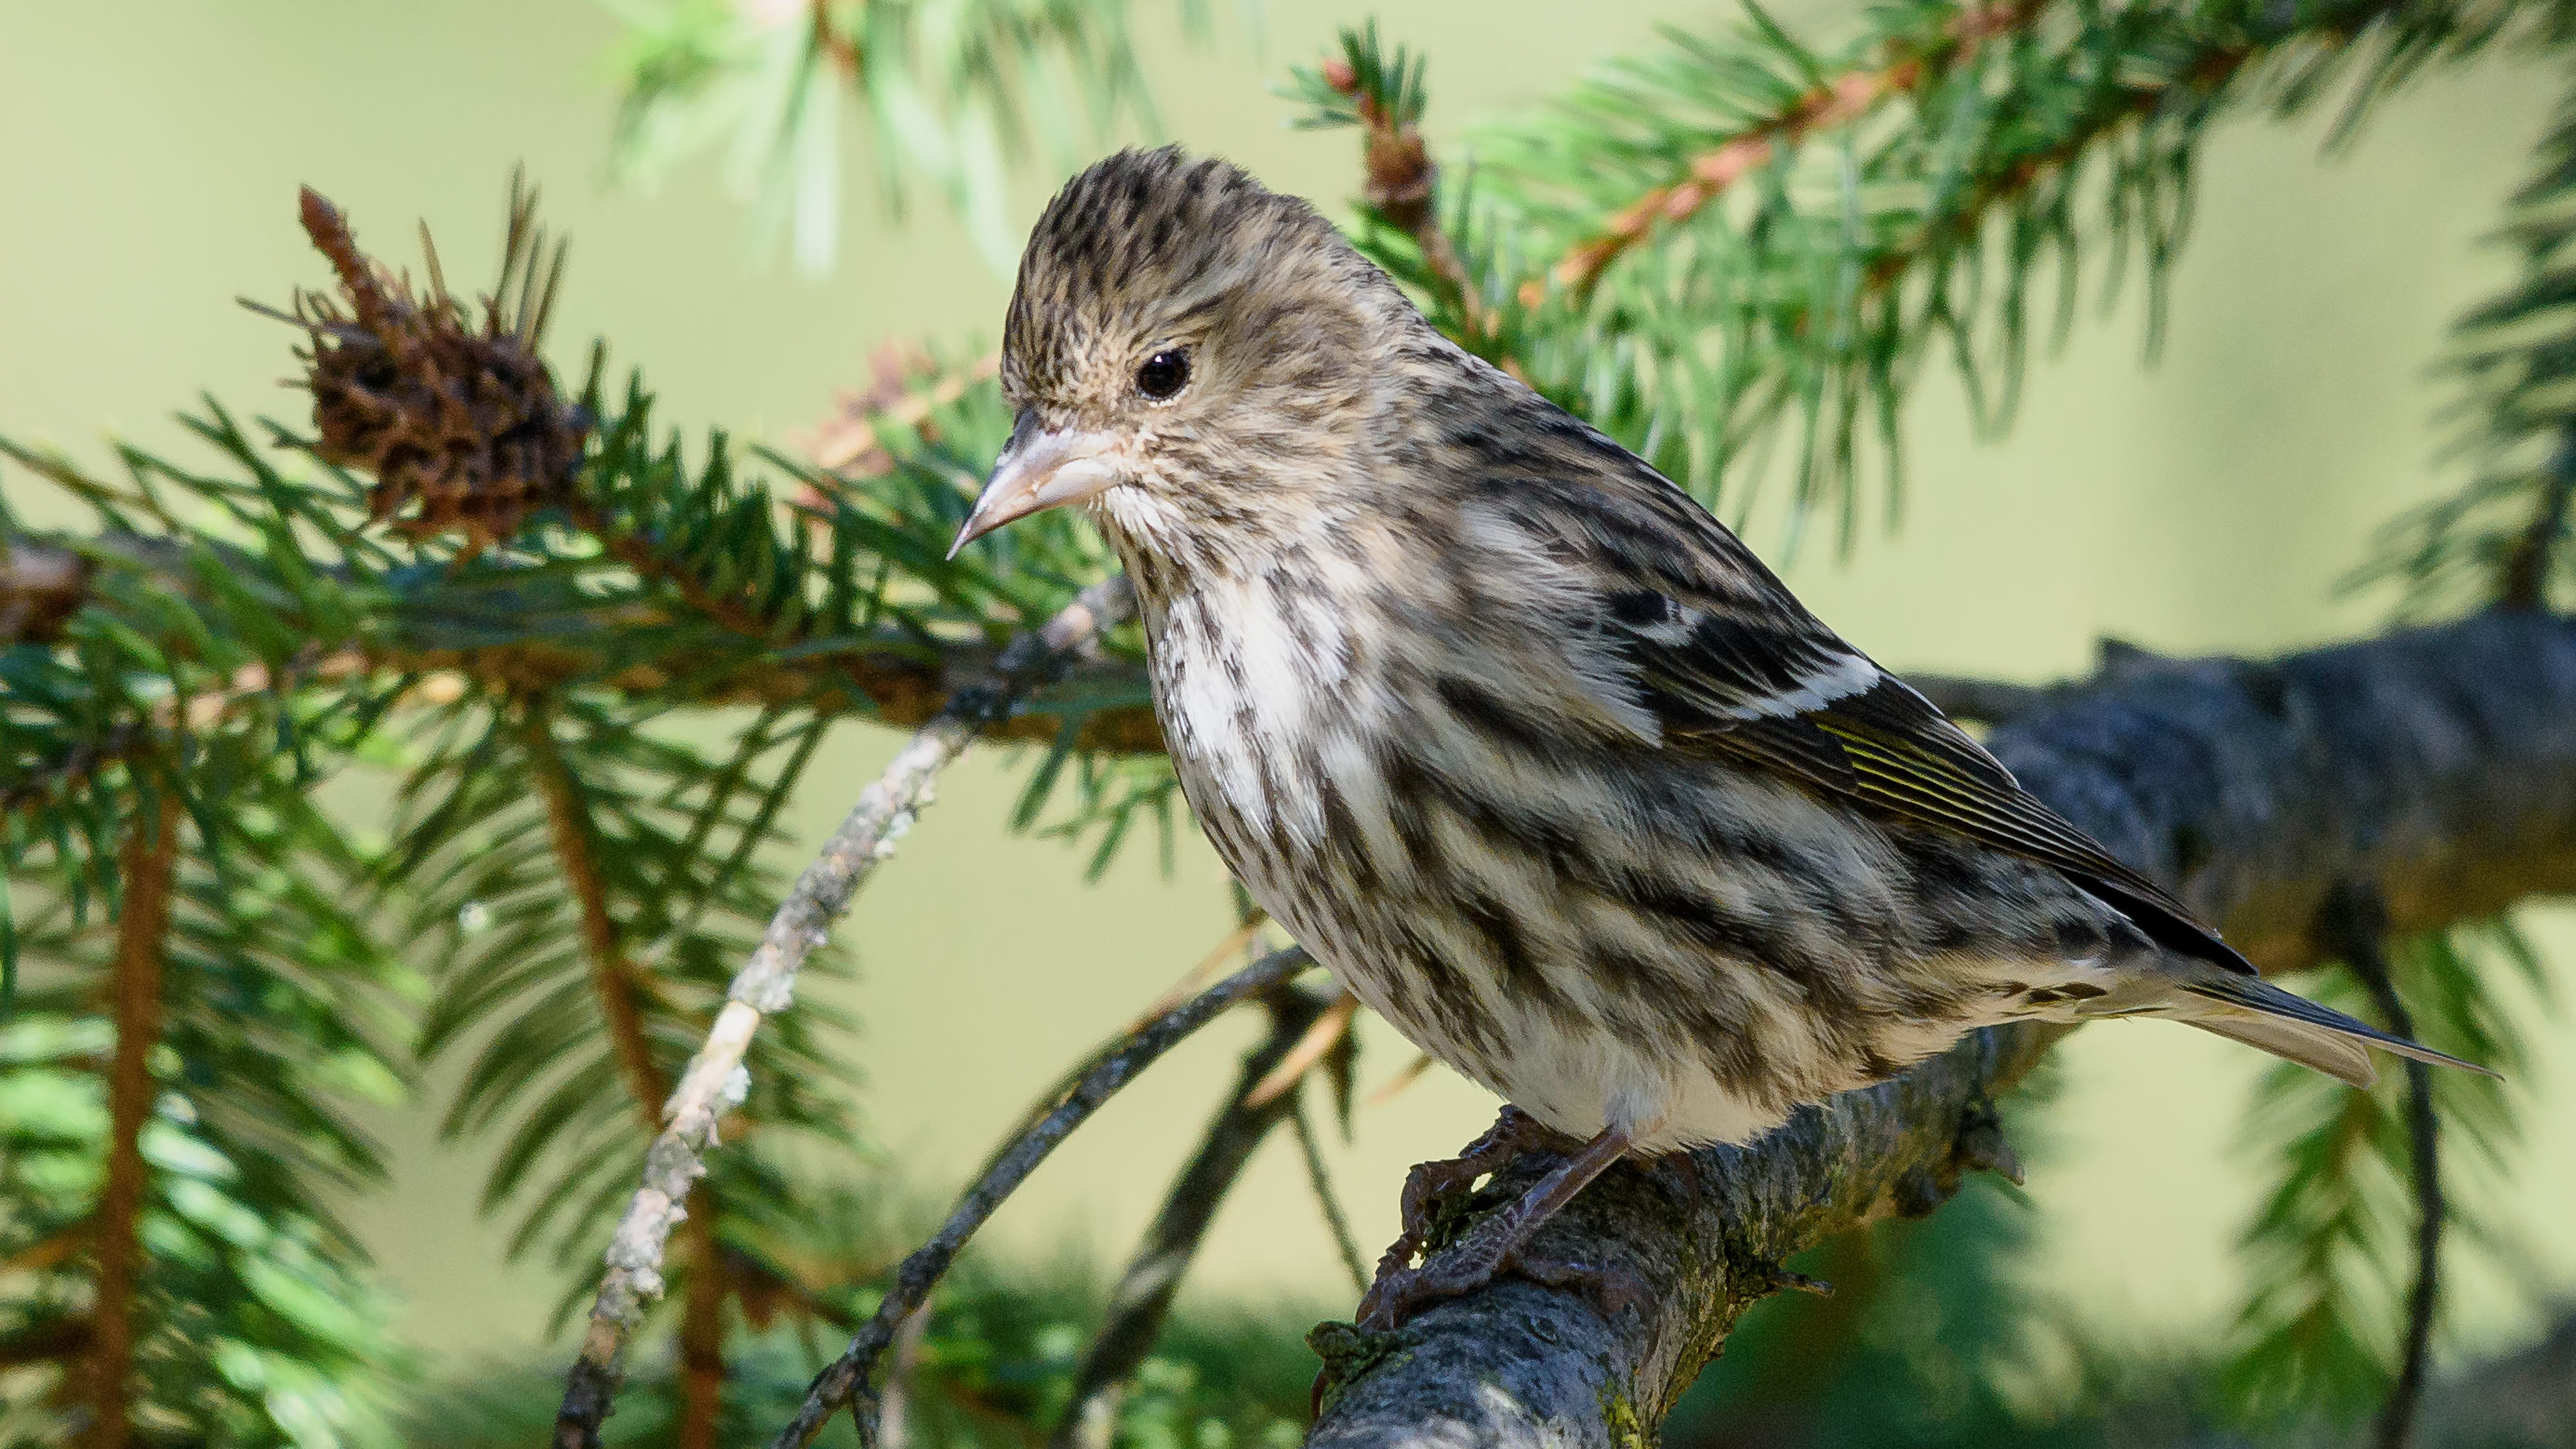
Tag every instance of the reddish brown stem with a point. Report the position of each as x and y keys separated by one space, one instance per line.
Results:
x=1838 y=101
x=147 y=866
x=612 y=976
x=1402 y=185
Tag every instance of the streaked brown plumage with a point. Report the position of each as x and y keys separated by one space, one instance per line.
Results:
x=1516 y=737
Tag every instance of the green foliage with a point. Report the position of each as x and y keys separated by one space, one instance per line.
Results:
x=670 y=850
x=256 y=1320
x=2327 y=1255
x=953 y=92
x=1726 y=245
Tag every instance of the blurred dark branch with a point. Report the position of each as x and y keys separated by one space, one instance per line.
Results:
x=147 y=873
x=2524 y=1400
x=2435 y=767
x=2354 y=926
x=1143 y=1296
x=545 y=631
x=41 y=586
x=846 y=1383
x=1327 y=1201
x=544 y=635
x=766 y=985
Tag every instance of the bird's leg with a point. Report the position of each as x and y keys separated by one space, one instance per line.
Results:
x=1430 y=1184
x=1494 y=1246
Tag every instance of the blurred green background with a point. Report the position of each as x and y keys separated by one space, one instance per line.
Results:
x=149 y=155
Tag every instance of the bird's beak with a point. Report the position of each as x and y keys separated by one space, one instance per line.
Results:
x=1039 y=469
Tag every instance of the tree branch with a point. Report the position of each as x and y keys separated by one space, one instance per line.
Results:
x=846 y=1382
x=2438 y=766
x=766 y=985
x=147 y=873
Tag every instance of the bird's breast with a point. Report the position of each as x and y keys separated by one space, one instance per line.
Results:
x=1253 y=682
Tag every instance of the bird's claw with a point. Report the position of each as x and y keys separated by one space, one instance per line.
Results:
x=1496 y=1246
x=1401 y=1293
x=1431 y=1186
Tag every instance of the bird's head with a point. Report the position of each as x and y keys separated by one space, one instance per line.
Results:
x=1189 y=352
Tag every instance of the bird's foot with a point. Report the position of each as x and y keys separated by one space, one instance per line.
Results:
x=1401 y=1293
x=1500 y=1243
x=1432 y=1186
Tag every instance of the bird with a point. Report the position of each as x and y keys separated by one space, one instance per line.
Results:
x=1520 y=741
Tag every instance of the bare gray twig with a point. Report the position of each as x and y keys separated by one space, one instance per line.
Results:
x=715 y=1080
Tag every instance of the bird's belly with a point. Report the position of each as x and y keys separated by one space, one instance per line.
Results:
x=1577 y=1077
x=1591 y=975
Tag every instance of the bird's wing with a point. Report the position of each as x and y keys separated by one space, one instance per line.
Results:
x=1783 y=694
x=1731 y=664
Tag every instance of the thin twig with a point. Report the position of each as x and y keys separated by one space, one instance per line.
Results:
x=1143 y=1297
x=1236 y=942
x=148 y=871
x=1401 y=183
x=612 y=976
x=1405 y=1076
x=2354 y=925
x=716 y=1080
x=846 y=1381
x=1328 y=1029
x=846 y=443
x=1320 y=1178
x=701 y=1358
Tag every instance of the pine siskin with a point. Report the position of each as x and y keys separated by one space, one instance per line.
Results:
x=1518 y=739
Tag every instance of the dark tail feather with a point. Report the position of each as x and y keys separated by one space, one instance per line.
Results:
x=2254 y=1011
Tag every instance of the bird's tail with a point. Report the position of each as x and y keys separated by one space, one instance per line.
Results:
x=2251 y=1010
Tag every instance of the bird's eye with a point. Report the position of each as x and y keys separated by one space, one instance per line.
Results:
x=1163 y=374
